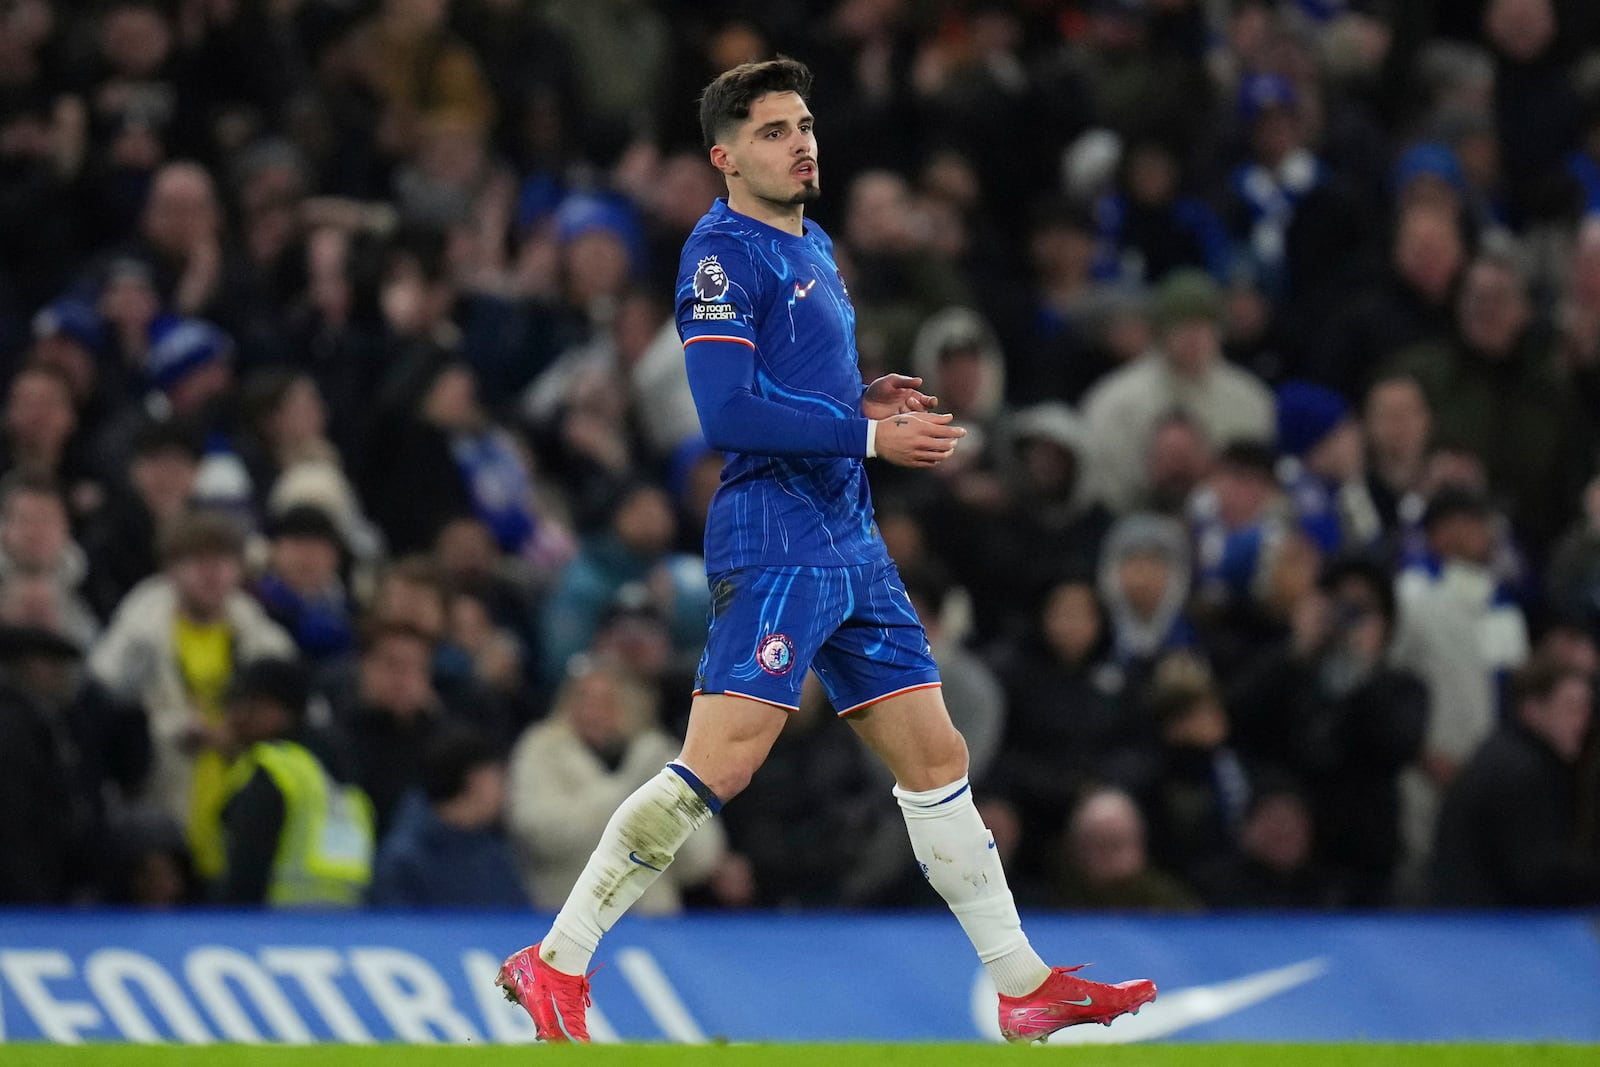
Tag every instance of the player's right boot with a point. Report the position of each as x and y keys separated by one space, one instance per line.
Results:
x=1065 y=1000
x=559 y=1003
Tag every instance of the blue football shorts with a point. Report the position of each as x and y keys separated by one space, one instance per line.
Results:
x=854 y=626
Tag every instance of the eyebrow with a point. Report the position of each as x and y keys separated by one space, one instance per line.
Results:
x=778 y=124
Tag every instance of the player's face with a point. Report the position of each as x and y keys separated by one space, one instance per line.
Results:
x=774 y=152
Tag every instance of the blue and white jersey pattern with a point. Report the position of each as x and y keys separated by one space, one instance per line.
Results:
x=748 y=283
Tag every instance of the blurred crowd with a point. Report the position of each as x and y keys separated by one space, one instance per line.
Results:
x=353 y=492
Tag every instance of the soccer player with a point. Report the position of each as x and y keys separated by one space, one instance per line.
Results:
x=799 y=576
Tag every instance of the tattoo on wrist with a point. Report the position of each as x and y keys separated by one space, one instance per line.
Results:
x=901 y=421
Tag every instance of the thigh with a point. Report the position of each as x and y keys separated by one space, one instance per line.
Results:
x=728 y=739
x=912 y=733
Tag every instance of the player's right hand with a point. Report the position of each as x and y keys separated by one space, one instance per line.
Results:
x=916 y=439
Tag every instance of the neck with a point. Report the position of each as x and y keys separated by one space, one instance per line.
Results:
x=201 y=616
x=790 y=218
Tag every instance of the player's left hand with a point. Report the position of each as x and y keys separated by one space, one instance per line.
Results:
x=895 y=394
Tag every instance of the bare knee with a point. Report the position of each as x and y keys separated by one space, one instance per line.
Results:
x=727 y=741
x=943 y=760
x=729 y=780
x=726 y=774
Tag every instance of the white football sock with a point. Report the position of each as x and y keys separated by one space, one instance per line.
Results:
x=644 y=833
x=957 y=855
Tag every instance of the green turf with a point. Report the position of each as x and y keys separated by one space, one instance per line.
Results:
x=1188 y=1055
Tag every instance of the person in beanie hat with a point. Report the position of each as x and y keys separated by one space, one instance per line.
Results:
x=1186 y=373
x=1323 y=469
x=1462 y=633
x=302 y=589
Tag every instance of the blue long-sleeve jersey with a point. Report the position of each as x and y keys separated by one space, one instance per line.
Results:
x=769 y=336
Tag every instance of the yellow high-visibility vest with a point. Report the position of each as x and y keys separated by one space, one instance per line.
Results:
x=324 y=856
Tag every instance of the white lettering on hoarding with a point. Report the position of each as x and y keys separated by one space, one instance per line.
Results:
x=411 y=995
x=220 y=992
x=209 y=970
x=111 y=971
x=61 y=1021
x=659 y=998
x=314 y=969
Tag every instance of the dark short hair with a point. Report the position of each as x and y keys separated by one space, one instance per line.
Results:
x=154 y=437
x=306 y=521
x=1538 y=681
x=374 y=634
x=32 y=483
x=1453 y=502
x=726 y=101
x=280 y=682
x=1248 y=456
x=1366 y=570
x=449 y=760
x=201 y=533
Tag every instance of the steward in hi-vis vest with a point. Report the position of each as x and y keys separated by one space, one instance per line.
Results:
x=295 y=836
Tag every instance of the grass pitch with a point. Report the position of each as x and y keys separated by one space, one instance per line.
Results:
x=899 y=1055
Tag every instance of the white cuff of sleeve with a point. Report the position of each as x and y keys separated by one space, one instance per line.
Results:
x=872 y=438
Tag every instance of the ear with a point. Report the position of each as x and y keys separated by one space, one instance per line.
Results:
x=723 y=162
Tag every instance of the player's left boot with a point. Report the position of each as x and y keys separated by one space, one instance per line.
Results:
x=1067 y=1000
x=559 y=1003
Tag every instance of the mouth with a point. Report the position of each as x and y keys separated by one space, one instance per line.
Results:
x=805 y=170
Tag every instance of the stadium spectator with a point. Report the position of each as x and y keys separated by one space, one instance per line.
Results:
x=36 y=542
x=1494 y=387
x=1507 y=834
x=295 y=835
x=1103 y=864
x=1010 y=543
x=1050 y=326
x=1152 y=225
x=600 y=743
x=1461 y=634
x=1323 y=468
x=1398 y=425
x=634 y=546
x=66 y=745
x=1180 y=461
x=392 y=715
x=1187 y=373
x=1327 y=708
x=301 y=588
x=1193 y=787
x=1276 y=865
x=150 y=867
x=120 y=541
x=41 y=428
x=173 y=645
x=1068 y=713
x=445 y=849
x=292 y=462
x=1143 y=580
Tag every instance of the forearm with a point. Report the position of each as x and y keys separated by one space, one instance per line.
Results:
x=735 y=419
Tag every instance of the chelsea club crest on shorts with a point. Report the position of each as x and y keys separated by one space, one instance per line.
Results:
x=775 y=653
